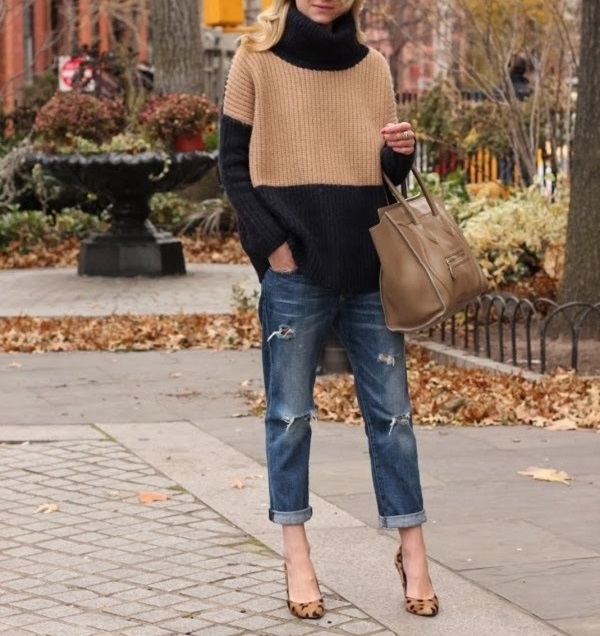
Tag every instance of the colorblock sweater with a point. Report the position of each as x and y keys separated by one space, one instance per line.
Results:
x=301 y=152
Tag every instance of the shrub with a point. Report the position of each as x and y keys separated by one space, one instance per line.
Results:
x=68 y=115
x=166 y=116
x=169 y=210
x=28 y=228
x=515 y=237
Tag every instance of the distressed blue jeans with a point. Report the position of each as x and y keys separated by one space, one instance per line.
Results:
x=296 y=318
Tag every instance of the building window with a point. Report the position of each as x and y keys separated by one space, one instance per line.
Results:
x=28 y=43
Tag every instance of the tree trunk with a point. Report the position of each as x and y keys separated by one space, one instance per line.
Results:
x=581 y=279
x=177 y=46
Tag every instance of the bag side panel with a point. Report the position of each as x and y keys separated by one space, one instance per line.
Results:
x=476 y=271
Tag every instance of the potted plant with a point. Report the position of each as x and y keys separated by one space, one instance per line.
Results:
x=93 y=145
x=181 y=120
x=67 y=116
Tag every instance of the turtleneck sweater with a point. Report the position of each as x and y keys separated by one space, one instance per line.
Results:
x=301 y=153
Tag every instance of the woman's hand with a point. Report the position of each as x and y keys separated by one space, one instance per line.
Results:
x=281 y=259
x=399 y=137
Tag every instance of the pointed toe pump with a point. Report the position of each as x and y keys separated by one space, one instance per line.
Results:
x=311 y=609
x=418 y=606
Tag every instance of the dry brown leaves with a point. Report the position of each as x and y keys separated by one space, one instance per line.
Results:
x=129 y=332
x=469 y=397
x=452 y=395
x=43 y=254
x=440 y=394
x=47 y=508
x=540 y=285
x=213 y=249
x=548 y=474
x=204 y=249
x=151 y=497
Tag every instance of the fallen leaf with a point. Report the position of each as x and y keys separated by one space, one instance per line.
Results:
x=237 y=483
x=591 y=419
x=15 y=365
x=548 y=474
x=453 y=405
x=539 y=422
x=565 y=424
x=149 y=497
x=47 y=508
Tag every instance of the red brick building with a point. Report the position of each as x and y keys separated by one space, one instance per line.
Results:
x=419 y=38
x=34 y=33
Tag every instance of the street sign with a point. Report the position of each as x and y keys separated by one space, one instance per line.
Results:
x=67 y=66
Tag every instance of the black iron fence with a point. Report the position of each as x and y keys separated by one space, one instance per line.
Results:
x=538 y=335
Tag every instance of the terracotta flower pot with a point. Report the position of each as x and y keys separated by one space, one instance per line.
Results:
x=188 y=143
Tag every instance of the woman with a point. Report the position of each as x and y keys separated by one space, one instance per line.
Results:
x=308 y=124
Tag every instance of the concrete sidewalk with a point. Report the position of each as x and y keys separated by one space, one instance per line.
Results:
x=89 y=431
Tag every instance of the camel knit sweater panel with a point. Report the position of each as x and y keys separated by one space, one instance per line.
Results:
x=301 y=152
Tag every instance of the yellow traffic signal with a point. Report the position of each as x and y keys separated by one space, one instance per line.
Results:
x=223 y=12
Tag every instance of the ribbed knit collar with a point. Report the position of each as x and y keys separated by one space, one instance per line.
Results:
x=311 y=45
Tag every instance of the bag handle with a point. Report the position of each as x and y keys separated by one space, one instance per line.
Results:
x=402 y=200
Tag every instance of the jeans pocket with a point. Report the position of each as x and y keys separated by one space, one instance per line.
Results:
x=286 y=272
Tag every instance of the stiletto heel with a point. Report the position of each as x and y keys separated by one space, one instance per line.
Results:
x=418 y=606
x=312 y=609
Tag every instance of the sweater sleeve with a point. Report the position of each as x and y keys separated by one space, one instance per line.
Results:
x=260 y=230
x=394 y=164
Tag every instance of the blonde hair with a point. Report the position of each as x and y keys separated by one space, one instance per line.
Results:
x=271 y=24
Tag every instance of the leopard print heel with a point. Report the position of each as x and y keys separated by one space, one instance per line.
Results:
x=418 y=606
x=311 y=610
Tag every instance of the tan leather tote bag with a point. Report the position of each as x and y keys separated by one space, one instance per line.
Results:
x=428 y=271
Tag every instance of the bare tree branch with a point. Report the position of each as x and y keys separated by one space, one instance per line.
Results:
x=390 y=25
x=498 y=35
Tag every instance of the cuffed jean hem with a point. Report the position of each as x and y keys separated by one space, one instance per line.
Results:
x=293 y=518
x=403 y=521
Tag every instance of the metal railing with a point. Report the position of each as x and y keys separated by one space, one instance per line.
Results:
x=535 y=334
